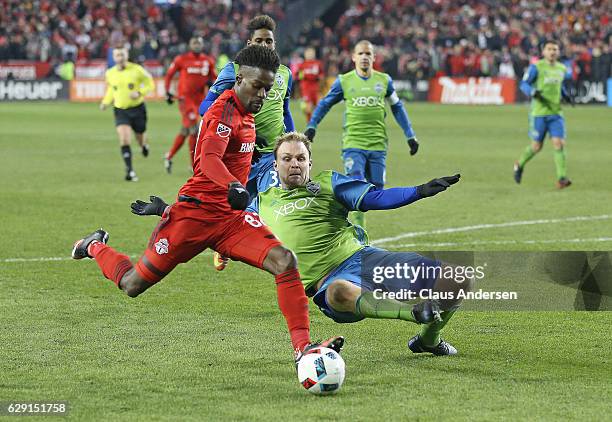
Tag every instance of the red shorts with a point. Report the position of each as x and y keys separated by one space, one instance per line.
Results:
x=310 y=96
x=189 y=112
x=186 y=230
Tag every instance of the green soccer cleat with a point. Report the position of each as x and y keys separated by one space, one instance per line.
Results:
x=442 y=349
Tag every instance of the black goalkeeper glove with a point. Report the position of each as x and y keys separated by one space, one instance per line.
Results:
x=413 y=144
x=310 y=133
x=237 y=196
x=436 y=186
x=169 y=98
x=260 y=142
x=157 y=206
x=568 y=98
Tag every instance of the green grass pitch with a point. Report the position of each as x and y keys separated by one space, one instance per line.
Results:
x=212 y=346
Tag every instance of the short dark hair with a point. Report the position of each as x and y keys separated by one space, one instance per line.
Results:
x=261 y=22
x=550 y=41
x=258 y=56
x=292 y=137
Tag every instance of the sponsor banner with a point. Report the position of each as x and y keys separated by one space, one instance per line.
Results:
x=449 y=90
x=24 y=70
x=33 y=90
x=95 y=69
x=85 y=90
x=412 y=91
x=593 y=92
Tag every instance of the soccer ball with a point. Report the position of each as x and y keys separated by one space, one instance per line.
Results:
x=321 y=371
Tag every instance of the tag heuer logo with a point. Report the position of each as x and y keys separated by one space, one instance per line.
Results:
x=313 y=187
x=279 y=80
x=223 y=131
x=161 y=246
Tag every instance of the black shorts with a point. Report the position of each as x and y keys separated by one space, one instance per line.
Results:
x=136 y=117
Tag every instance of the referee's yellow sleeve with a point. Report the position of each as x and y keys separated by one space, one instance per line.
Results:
x=108 y=97
x=148 y=85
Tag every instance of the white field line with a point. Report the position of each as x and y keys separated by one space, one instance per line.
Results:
x=489 y=226
x=502 y=242
x=427 y=233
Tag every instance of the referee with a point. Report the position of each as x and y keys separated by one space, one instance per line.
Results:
x=127 y=85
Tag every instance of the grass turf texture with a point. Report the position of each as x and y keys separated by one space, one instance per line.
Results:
x=183 y=351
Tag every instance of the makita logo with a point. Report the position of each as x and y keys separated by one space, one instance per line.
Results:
x=15 y=90
x=291 y=207
x=247 y=147
x=474 y=91
x=371 y=101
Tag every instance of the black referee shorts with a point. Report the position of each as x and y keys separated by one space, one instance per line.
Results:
x=136 y=117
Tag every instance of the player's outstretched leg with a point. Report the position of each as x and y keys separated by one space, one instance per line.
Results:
x=115 y=266
x=429 y=340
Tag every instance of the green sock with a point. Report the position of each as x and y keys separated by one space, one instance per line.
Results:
x=369 y=307
x=430 y=333
x=527 y=155
x=359 y=218
x=560 y=163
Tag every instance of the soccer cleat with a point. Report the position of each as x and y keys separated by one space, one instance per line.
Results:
x=131 y=176
x=145 y=150
x=564 y=182
x=415 y=344
x=518 y=172
x=79 y=251
x=220 y=261
x=168 y=164
x=334 y=343
x=426 y=312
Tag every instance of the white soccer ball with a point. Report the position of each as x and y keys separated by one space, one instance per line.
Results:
x=321 y=371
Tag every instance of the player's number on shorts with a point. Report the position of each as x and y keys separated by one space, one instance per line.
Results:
x=274 y=175
x=252 y=220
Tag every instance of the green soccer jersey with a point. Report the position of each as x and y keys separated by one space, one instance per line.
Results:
x=364 y=118
x=548 y=80
x=269 y=121
x=312 y=221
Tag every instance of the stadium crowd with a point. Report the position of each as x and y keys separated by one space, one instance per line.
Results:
x=424 y=38
x=416 y=39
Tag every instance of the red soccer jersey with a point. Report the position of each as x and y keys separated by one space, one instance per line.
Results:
x=226 y=141
x=195 y=71
x=310 y=73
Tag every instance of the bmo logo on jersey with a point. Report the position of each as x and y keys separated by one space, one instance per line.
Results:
x=247 y=147
x=370 y=101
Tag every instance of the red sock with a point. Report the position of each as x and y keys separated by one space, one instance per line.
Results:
x=113 y=264
x=192 y=144
x=178 y=143
x=293 y=303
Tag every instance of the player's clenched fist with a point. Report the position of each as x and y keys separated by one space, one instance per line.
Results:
x=436 y=186
x=237 y=196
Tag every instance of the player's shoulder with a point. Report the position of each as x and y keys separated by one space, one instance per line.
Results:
x=324 y=180
x=380 y=75
x=283 y=69
x=224 y=108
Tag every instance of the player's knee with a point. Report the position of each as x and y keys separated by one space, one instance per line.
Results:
x=281 y=259
x=536 y=147
x=338 y=295
x=132 y=284
x=184 y=131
